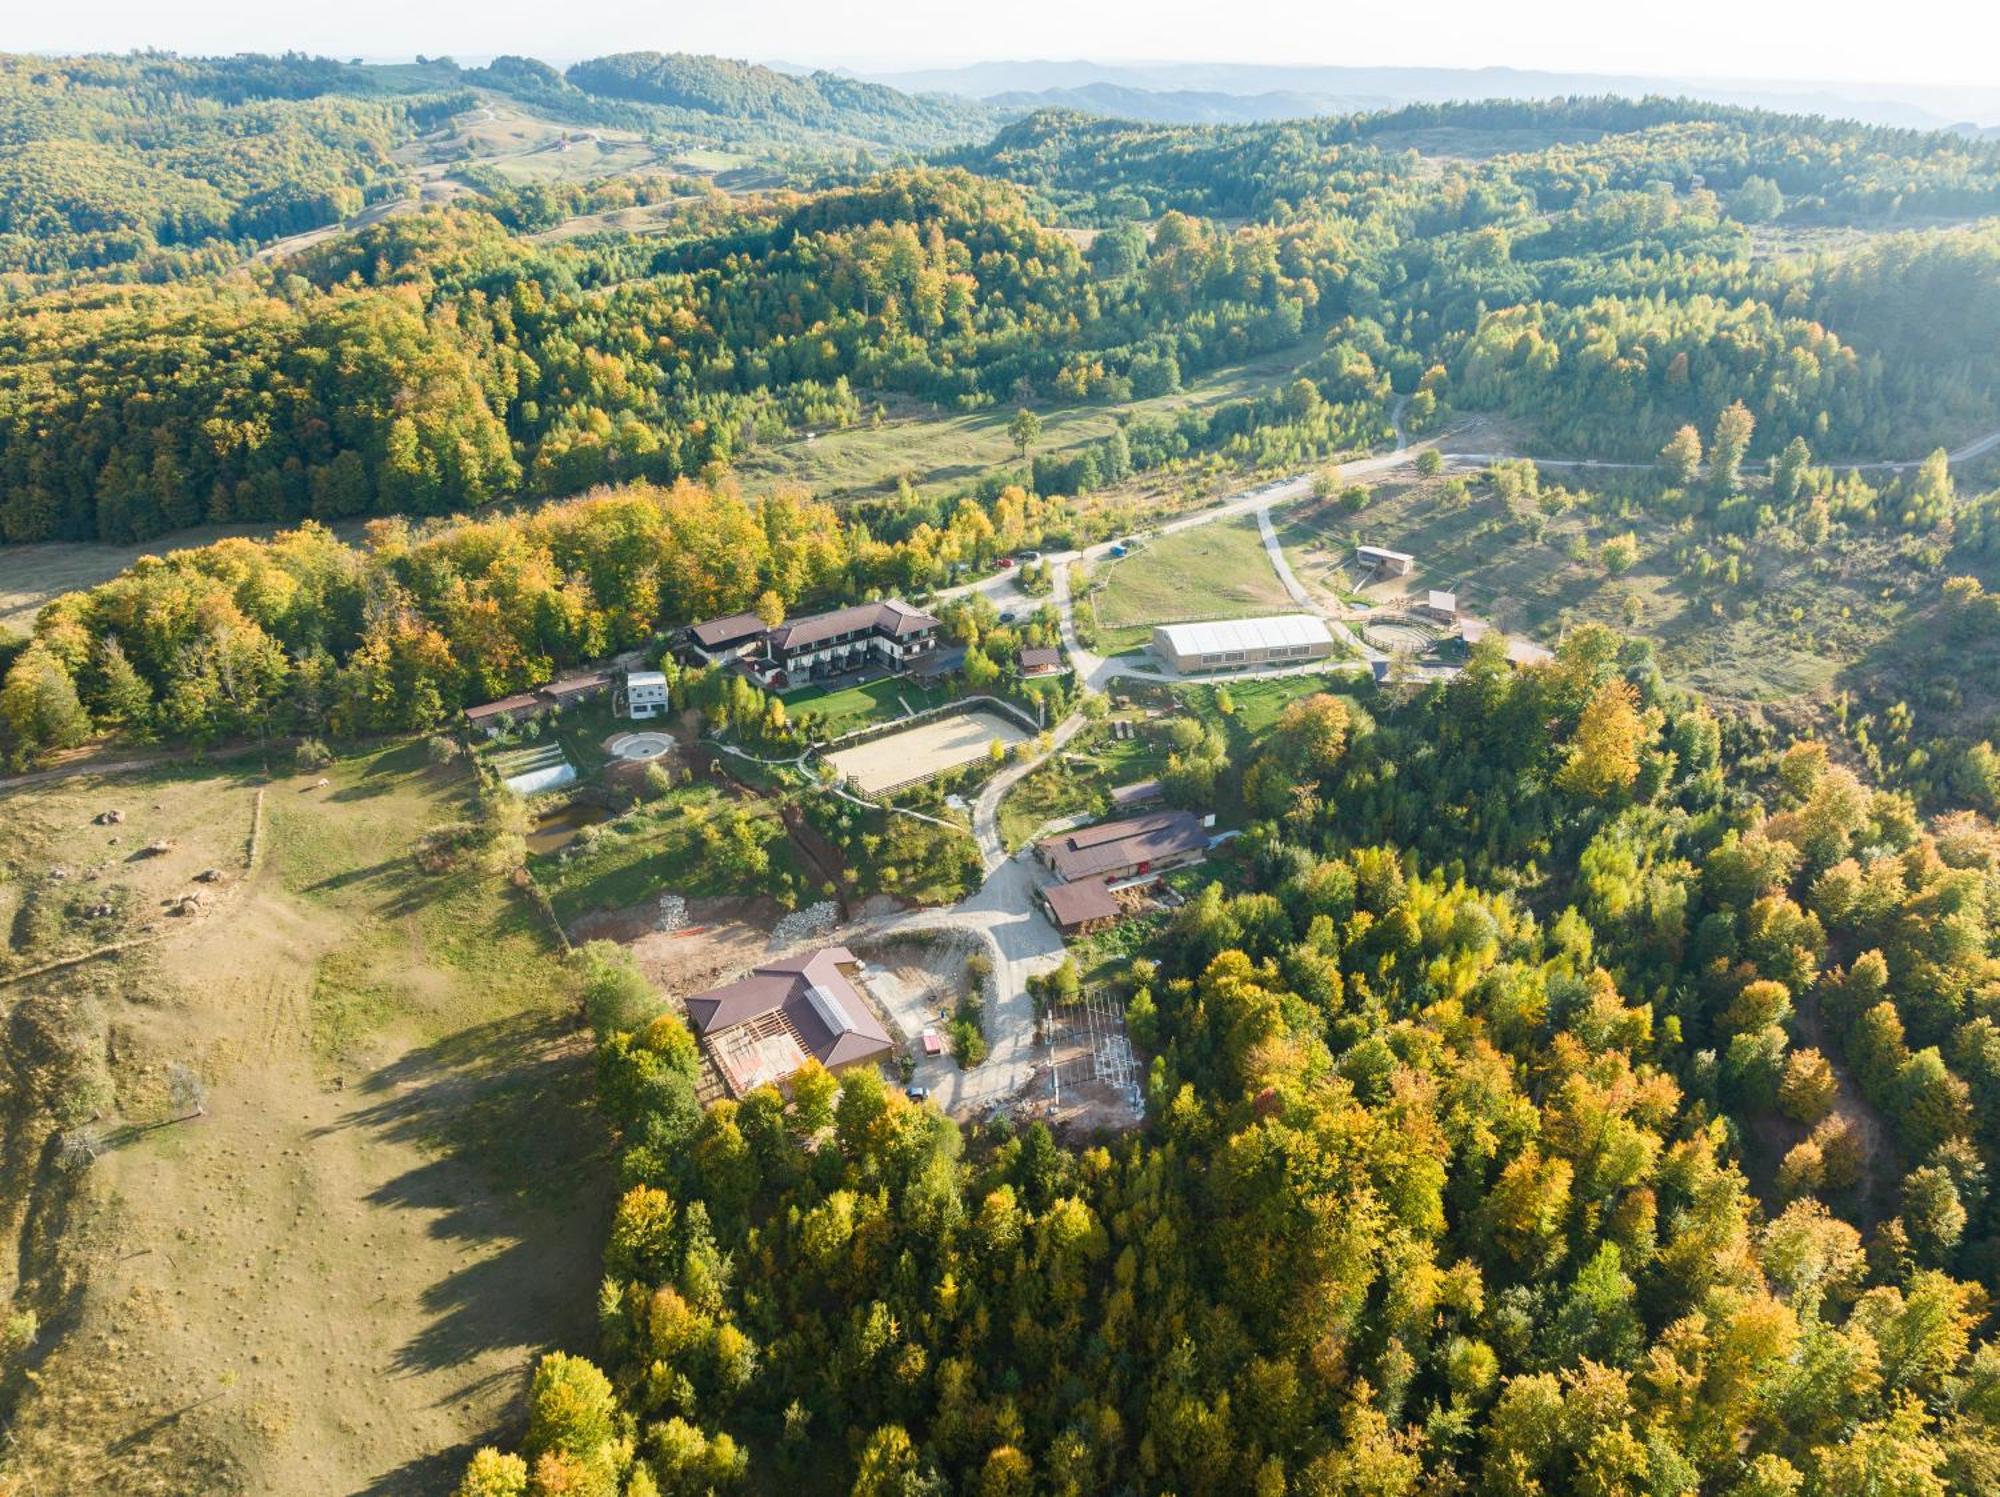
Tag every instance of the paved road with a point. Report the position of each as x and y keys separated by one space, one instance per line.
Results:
x=986 y=809
x=1283 y=567
x=1006 y=917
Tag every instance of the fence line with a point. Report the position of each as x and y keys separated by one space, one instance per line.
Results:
x=962 y=705
x=256 y=834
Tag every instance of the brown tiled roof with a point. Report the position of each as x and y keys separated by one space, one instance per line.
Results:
x=574 y=685
x=1039 y=659
x=889 y=617
x=1122 y=844
x=788 y=985
x=519 y=702
x=732 y=629
x=1086 y=899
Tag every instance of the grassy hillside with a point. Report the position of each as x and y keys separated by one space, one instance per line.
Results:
x=331 y=1278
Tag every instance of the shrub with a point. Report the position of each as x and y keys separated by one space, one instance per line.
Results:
x=968 y=1041
x=617 y=997
x=444 y=849
x=1619 y=554
x=311 y=754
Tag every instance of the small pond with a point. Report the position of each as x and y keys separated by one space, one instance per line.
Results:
x=555 y=830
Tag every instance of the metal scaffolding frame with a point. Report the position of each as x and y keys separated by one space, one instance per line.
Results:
x=1099 y=1025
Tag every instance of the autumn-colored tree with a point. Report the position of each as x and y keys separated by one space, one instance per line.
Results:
x=39 y=708
x=1807 y=1093
x=492 y=1474
x=1024 y=430
x=1603 y=758
x=1680 y=459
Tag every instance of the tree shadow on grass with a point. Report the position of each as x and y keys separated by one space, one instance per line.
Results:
x=366 y=790
x=437 y=1472
x=517 y=1169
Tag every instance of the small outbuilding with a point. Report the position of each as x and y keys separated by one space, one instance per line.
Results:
x=1081 y=907
x=491 y=718
x=567 y=691
x=1042 y=662
x=1440 y=606
x=1138 y=793
x=1382 y=560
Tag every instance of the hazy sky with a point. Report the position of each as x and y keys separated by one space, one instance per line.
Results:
x=1914 y=41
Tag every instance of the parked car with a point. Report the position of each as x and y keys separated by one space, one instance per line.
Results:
x=1029 y=558
x=1006 y=563
x=917 y=1093
x=1007 y=618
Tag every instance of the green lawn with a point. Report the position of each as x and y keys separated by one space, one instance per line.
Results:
x=937 y=448
x=1218 y=571
x=425 y=953
x=1060 y=788
x=659 y=848
x=845 y=708
x=1255 y=704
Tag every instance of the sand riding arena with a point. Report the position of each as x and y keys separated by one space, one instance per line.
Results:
x=916 y=754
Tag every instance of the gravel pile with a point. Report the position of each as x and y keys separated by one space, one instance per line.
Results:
x=814 y=922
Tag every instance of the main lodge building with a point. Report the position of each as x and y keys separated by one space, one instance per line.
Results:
x=890 y=635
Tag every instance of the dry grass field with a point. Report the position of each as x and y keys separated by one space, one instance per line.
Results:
x=1803 y=623
x=335 y=1278
x=939 y=450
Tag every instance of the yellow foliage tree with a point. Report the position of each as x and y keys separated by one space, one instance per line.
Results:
x=1604 y=754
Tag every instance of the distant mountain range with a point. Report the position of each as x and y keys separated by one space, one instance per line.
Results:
x=1187 y=106
x=1220 y=93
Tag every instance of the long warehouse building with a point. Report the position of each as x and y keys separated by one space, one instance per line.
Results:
x=1234 y=644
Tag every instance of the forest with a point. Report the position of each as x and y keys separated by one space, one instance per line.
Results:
x=1624 y=1131
x=1560 y=1082
x=439 y=361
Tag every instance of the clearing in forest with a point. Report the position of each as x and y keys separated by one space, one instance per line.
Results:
x=940 y=450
